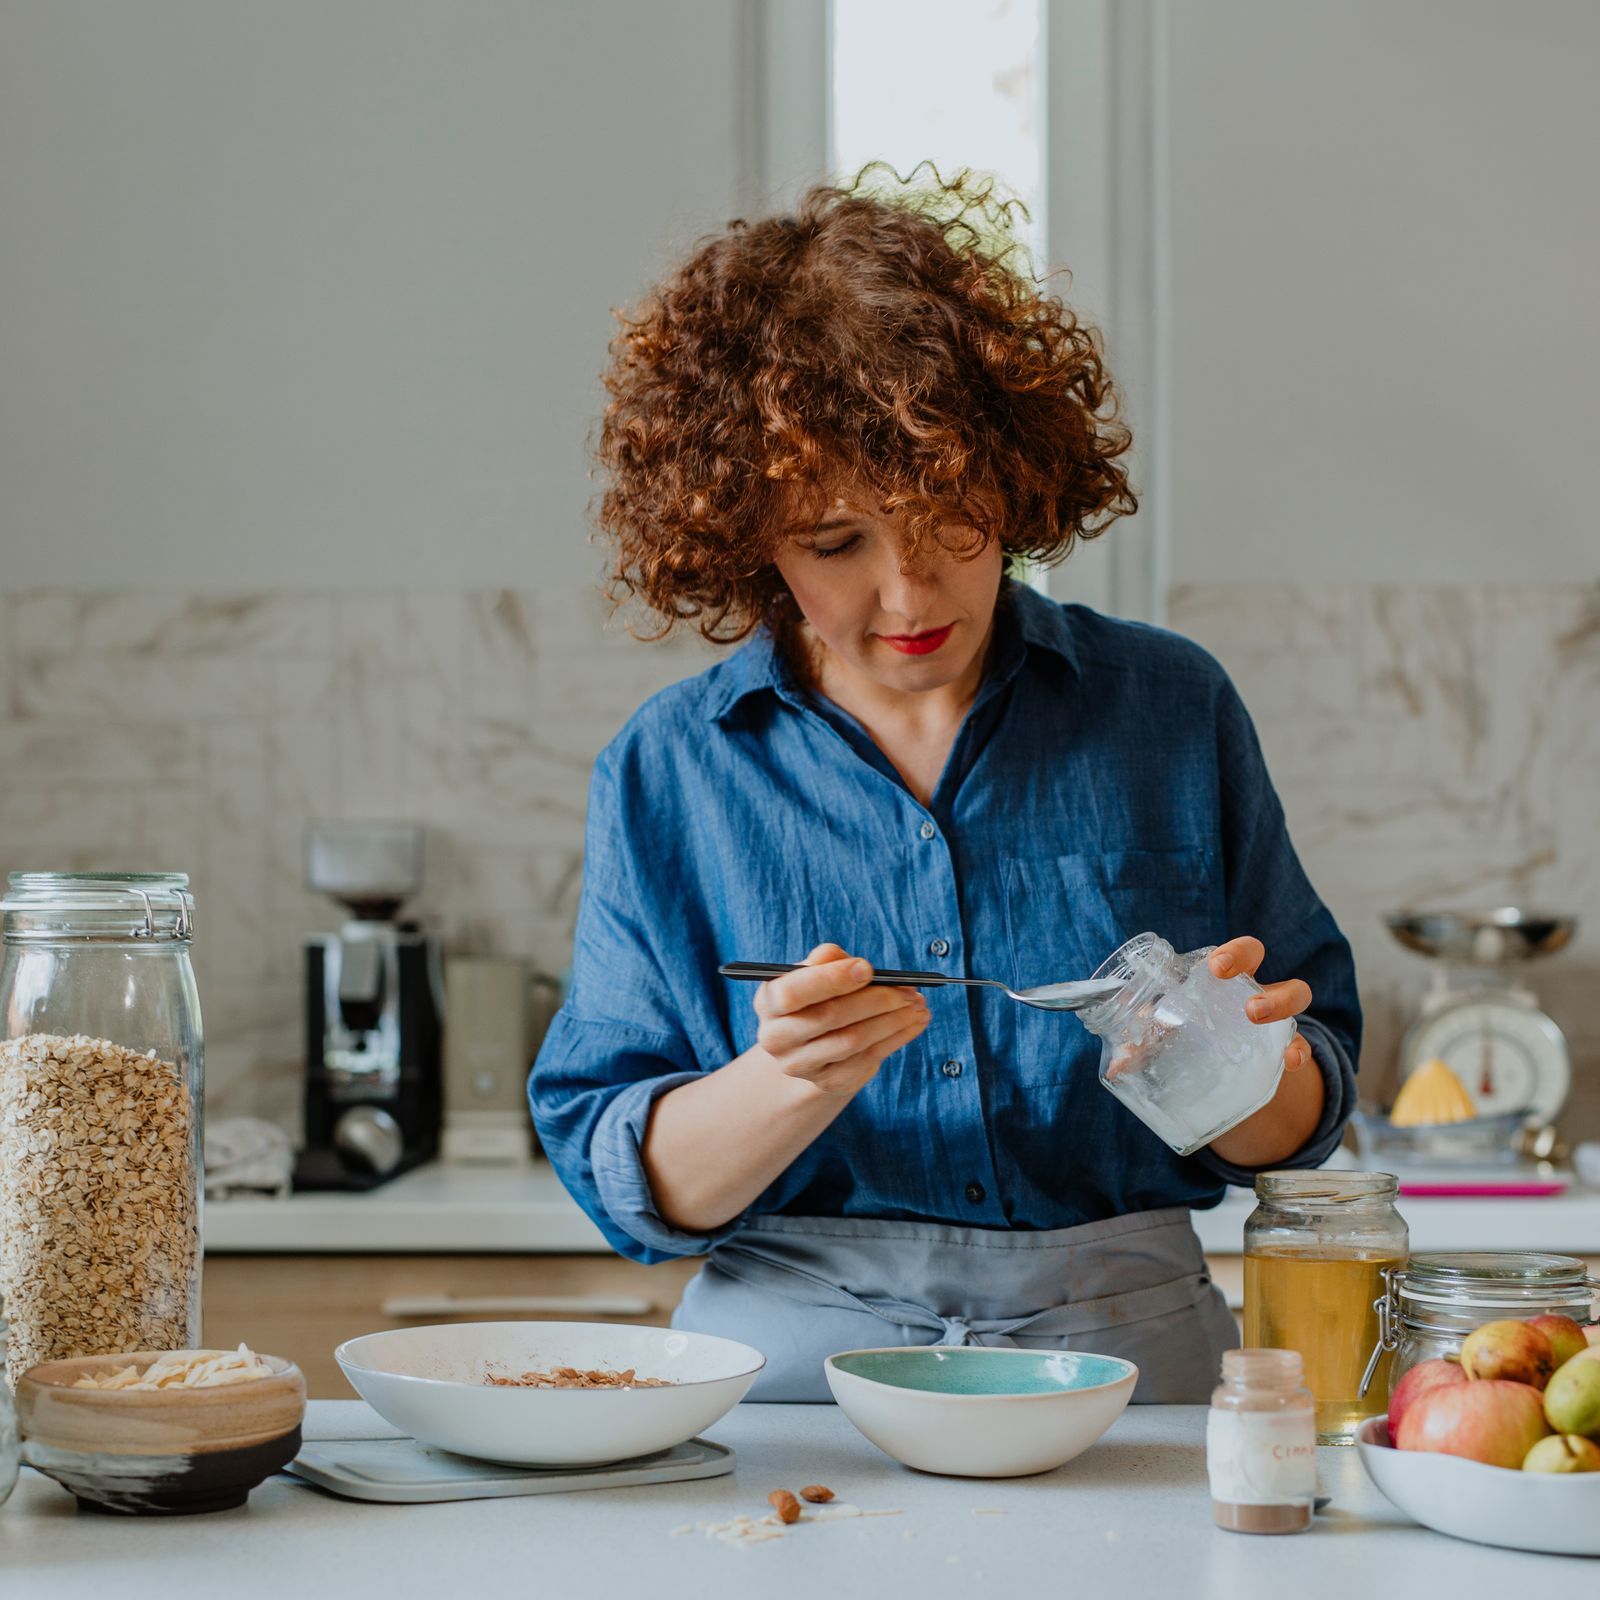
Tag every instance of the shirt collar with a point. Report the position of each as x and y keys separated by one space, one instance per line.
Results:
x=1026 y=624
x=1043 y=623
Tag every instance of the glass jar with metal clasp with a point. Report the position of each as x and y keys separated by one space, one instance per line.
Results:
x=1436 y=1299
x=100 y=1115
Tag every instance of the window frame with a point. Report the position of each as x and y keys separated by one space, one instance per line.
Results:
x=1104 y=96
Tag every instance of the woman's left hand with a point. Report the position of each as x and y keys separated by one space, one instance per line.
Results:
x=1276 y=1003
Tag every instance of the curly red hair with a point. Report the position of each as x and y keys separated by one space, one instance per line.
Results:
x=889 y=341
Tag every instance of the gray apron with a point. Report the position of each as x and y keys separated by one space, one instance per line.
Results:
x=802 y=1288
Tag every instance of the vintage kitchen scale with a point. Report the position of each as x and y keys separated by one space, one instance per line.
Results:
x=1482 y=1019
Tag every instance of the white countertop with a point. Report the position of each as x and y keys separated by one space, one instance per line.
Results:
x=465 y=1209
x=1132 y=1517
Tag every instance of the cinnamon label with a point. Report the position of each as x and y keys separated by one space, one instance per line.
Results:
x=1261 y=1458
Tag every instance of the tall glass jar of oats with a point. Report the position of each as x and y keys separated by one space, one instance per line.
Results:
x=100 y=1136
x=10 y=1440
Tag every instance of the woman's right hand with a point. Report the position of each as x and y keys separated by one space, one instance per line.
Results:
x=825 y=1024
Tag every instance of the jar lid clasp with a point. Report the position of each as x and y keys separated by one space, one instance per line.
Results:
x=1387 y=1307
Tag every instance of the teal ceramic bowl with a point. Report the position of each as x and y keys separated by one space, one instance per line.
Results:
x=981 y=1413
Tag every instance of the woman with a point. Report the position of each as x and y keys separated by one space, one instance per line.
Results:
x=830 y=434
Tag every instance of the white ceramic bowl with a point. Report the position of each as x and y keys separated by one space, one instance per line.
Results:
x=1557 y=1513
x=976 y=1412
x=429 y=1382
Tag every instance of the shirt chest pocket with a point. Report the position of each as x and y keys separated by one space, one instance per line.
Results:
x=1066 y=914
x=780 y=905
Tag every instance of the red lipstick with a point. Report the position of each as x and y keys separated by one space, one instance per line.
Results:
x=918 y=644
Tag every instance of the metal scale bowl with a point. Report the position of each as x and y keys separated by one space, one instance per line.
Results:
x=1483 y=1021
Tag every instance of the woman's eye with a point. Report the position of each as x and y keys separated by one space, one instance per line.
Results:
x=822 y=552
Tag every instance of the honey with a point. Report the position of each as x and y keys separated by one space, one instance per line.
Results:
x=1321 y=1304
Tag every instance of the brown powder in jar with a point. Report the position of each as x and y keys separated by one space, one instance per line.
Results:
x=1260 y=1519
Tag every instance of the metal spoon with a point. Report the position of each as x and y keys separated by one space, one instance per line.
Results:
x=1075 y=996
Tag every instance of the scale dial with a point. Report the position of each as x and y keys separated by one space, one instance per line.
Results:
x=1507 y=1052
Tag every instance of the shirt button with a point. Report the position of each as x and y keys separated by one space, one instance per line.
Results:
x=939 y=947
x=951 y=1069
x=927 y=830
x=976 y=1193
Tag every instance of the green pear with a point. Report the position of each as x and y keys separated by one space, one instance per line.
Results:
x=1572 y=1398
x=1563 y=1452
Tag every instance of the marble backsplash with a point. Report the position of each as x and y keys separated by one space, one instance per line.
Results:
x=198 y=733
x=1433 y=745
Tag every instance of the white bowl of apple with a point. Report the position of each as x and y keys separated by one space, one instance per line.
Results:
x=1500 y=1445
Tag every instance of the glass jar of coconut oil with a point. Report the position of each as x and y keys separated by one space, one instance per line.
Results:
x=1177 y=1046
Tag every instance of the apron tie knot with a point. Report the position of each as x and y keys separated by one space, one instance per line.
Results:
x=957 y=1331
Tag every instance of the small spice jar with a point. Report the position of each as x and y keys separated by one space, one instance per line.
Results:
x=100 y=1072
x=1261 y=1444
x=1428 y=1308
x=1177 y=1048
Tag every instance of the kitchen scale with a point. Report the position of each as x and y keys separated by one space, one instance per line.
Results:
x=401 y=1471
x=1485 y=1023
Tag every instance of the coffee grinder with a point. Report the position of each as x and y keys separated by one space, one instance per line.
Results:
x=374 y=1012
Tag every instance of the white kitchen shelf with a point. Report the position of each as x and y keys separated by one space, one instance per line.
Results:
x=442 y=1209
x=1568 y=1224
x=437 y=1209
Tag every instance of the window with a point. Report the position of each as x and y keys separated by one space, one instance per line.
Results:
x=1064 y=101
x=955 y=82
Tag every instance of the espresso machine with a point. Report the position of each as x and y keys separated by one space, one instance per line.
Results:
x=374 y=1012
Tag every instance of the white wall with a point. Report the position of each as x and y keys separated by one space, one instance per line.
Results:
x=1385 y=221
x=305 y=292
x=315 y=291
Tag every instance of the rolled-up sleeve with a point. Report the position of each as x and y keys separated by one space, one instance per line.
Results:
x=593 y=1088
x=1270 y=897
x=616 y=1046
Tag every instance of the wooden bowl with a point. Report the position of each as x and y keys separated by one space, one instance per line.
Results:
x=158 y=1451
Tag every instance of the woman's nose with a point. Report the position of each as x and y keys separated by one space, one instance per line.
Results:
x=908 y=584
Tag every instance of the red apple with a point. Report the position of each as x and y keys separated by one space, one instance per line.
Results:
x=1565 y=1335
x=1414 y=1383
x=1492 y=1421
x=1515 y=1351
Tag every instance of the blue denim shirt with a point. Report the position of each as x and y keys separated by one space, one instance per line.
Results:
x=1106 y=781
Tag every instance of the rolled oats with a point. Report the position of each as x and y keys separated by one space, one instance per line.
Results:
x=99 y=1223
